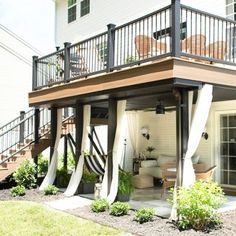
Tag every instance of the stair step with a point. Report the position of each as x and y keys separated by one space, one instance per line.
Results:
x=3 y=157
x=12 y=151
x=20 y=145
x=28 y=140
x=2 y=168
x=3 y=165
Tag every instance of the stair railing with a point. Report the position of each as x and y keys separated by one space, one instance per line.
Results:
x=21 y=135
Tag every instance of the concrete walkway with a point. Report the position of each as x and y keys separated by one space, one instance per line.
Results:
x=69 y=203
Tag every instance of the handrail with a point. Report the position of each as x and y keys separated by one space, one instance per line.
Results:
x=28 y=144
x=15 y=119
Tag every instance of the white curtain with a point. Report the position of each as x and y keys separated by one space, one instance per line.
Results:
x=52 y=169
x=117 y=153
x=133 y=127
x=198 y=124
x=78 y=172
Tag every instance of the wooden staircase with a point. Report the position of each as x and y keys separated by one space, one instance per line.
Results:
x=12 y=157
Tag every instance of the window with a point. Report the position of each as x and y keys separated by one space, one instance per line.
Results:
x=231 y=9
x=71 y=10
x=231 y=31
x=103 y=52
x=84 y=7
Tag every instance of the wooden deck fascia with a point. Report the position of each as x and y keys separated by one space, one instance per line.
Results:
x=136 y=76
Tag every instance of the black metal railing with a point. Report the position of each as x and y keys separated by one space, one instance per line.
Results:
x=15 y=121
x=208 y=36
x=175 y=30
x=22 y=131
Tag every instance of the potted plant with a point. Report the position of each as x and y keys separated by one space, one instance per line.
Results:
x=88 y=182
x=150 y=149
x=63 y=178
x=125 y=186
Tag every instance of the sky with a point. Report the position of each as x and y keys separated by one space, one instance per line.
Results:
x=32 y=20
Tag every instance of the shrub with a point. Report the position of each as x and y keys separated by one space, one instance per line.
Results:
x=25 y=175
x=99 y=205
x=51 y=190
x=89 y=177
x=18 y=191
x=63 y=177
x=70 y=162
x=144 y=215
x=42 y=165
x=119 y=209
x=196 y=206
x=125 y=183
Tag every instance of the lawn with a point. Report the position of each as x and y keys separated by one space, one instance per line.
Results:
x=26 y=218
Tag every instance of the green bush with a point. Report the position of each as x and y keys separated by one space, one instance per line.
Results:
x=25 y=175
x=89 y=177
x=144 y=215
x=51 y=190
x=196 y=206
x=18 y=191
x=119 y=209
x=42 y=165
x=99 y=205
x=125 y=183
x=63 y=177
x=70 y=161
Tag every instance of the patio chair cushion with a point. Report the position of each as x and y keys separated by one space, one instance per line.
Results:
x=148 y=163
x=163 y=159
x=143 y=181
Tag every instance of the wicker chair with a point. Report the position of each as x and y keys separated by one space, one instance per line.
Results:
x=217 y=50
x=147 y=46
x=195 y=44
x=205 y=175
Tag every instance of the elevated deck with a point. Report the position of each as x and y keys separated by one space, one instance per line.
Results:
x=171 y=44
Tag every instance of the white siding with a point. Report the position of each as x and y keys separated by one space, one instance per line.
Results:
x=103 y=12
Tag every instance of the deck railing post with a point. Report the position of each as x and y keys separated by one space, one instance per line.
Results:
x=34 y=73
x=110 y=46
x=22 y=126
x=175 y=27
x=67 y=61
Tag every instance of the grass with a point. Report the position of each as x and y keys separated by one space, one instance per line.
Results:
x=26 y=218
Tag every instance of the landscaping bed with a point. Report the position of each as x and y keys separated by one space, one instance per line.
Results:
x=158 y=226
x=33 y=195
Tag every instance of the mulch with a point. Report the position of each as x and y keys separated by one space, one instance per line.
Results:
x=158 y=226
x=33 y=195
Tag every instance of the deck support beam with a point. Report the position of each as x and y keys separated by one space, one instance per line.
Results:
x=112 y=114
x=36 y=135
x=79 y=120
x=53 y=130
x=65 y=153
x=182 y=131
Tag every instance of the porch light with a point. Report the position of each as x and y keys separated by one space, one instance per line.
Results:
x=145 y=132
